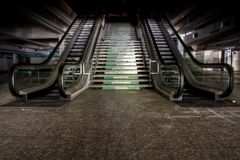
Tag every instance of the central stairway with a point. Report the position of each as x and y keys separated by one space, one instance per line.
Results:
x=119 y=61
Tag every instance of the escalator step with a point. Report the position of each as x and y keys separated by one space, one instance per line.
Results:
x=164 y=49
x=75 y=55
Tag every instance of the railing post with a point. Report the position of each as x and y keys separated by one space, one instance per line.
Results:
x=38 y=77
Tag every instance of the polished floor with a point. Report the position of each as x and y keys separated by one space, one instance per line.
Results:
x=118 y=125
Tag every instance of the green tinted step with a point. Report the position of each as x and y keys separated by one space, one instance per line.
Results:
x=119 y=72
x=119 y=50
x=120 y=42
x=121 y=82
x=112 y=56
x=120 y=68
x=120 y=63
x=118 y=53
x=120 y=47
x=127 y=77
x=145 y=80
x=120 y=56
x=119 y=60
x=118 y=87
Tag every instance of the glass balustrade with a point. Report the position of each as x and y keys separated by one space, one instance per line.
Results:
x=34 y=75
x=211 y=76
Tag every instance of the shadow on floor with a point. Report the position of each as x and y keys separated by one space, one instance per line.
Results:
x=34 y=104
x=208 y=103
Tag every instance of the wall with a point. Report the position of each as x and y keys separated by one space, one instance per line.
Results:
x=3 y=64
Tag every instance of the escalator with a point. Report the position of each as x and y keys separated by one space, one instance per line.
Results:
x=74 y=78
x=39 y=81
x=177 y=69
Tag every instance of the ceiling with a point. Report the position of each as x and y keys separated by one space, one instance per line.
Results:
x=186 y=16
x=123 y=6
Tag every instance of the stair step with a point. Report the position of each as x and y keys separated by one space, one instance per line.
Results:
x=109 y=59
x=120 y=56
x=117 y=49
x=120 y=63
x=121 y=80
x=121 y=67
x=108 y=82
x=119 y=53
x=124 y=87
x=120 y=46
x=120 y=71
x=119 y=42
x=121 y=77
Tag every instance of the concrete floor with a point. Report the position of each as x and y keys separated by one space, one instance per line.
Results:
x=109 y=125
x=112 y=125
x=5 y=95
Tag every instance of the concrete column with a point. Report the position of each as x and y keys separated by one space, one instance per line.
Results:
x=15 y=58
x=236 y=60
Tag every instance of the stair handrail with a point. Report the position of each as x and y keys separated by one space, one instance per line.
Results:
x=99 y=49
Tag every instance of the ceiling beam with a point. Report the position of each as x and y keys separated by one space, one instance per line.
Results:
x=20 y=49
x=37 y=19
x=12 y=37
x=182 y=15
x=59 y=14
x=210 y=16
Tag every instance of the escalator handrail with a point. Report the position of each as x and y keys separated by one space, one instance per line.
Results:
x=61 y=69
x=228 y=67
x=13 y=67
x=179 y=90
x=59 y=43
x=62 y=66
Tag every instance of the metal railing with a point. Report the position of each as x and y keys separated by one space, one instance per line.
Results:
x=101 y=39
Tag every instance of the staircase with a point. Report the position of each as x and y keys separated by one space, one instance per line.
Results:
x=118 y=61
